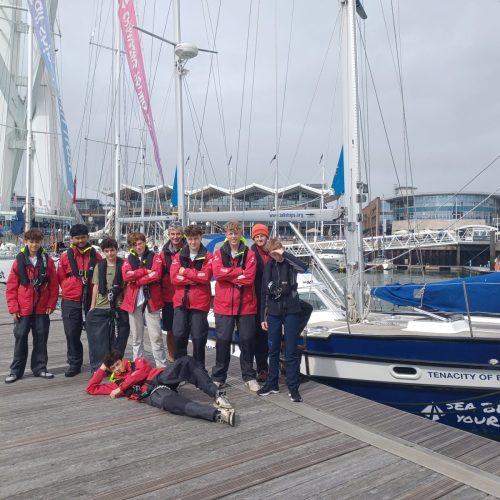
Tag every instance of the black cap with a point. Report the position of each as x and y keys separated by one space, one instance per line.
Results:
x=79 y=230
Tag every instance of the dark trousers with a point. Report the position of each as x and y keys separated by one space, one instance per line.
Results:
x=190 y=322
x=72 y=317
x=105 y=333
x=167 y=316
x=289 y=323
x=185 y=369
x=224 y=328
x=39 y=325
x=261 y=346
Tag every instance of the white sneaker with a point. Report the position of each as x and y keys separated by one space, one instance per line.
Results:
x=253 y=385
x=226 y=416
x=221 y=401
x=221 y=385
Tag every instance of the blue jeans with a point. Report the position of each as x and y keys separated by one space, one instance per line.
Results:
x=290 y=324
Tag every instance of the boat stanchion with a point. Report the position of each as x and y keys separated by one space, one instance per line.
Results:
x=467 y=308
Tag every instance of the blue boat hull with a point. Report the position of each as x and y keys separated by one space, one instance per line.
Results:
x=469 y=410
x=464 y=352
x=473 y=409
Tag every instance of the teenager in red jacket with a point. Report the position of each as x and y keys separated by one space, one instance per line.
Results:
x=173 y=246
x=142 y=272
x=191 y=272
x=74 y=273
x=32 y=291
x=158 y=386
x=235 y=304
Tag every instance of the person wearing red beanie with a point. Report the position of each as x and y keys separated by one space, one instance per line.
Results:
x=260 y=229
x=260 y=235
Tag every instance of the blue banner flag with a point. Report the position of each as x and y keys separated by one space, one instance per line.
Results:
x=173 y=198
x=43 y=35
x=338 y=180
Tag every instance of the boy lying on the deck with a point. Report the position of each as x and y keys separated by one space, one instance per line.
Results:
x=158 y=386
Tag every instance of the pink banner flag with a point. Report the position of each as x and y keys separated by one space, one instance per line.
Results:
x=128 y=20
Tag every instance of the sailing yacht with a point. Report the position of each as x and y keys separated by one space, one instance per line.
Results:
x=442 y=365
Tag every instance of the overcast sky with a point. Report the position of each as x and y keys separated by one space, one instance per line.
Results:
x=450 y=79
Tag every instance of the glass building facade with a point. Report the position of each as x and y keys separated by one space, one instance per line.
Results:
x=471 y=207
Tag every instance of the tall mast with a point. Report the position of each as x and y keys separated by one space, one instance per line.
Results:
x=179 y=65
x=29 y=139
x=353 y=184
x=143 y=187
x=116 y=61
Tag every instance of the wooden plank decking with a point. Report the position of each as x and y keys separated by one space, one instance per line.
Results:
x=57 y=442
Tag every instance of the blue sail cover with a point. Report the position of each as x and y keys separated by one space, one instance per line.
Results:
x=483 y=294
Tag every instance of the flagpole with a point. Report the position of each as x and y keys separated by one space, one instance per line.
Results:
x=116 y=60
x=143 y=180
x=276 y=222
x=322 y=190
x=29 y=145
x=181 y=212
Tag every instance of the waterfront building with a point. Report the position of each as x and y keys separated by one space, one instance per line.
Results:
x=442 y=210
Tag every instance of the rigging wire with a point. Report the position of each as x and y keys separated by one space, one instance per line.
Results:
x=198 y=125
x=380 y=109
x=278 y=143
x=313 y=98
x=251 y=105
x=207 y=86
x=233 y=181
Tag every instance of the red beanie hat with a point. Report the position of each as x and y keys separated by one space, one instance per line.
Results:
x=260 y=229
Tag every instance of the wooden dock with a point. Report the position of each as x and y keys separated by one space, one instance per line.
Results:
x=57 y=442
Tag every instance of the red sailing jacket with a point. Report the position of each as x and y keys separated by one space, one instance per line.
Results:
x=72 y=286
x=192 y=289
x=234 y=287
x=141 y=373
x=140 y=277
x=167 y=289
x=21 y=298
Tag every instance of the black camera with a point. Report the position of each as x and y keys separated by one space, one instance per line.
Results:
x=275 y=291
x=145 y=291
x=113 y=295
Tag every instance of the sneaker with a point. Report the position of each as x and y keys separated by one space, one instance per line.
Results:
x=262 y=376
x=253 y=385
x=45 y=374
x=220 y=385
x=295 y=396
x=221 y=401
x=11 y=377
x=266 y=390
x=225 y=416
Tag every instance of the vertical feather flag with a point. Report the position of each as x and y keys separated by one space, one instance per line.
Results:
x=338 y=180
x=173 y=198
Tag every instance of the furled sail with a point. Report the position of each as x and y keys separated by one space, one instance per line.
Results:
x=480 y=293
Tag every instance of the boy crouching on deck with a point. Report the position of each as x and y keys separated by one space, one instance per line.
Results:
x=158 y=386
x=32 y=291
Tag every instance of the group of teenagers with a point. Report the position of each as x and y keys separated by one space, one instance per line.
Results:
x=111 y=298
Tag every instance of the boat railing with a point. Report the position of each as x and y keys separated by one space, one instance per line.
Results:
x=322 y=272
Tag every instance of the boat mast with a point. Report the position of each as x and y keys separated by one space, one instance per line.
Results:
x=29 y=117
x=353 y=184
x=143 y=187
x=179 y=65
x=116 y=61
